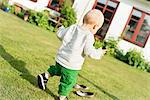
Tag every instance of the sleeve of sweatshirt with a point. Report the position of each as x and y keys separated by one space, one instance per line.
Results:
x=90 y=50
x=61 y=32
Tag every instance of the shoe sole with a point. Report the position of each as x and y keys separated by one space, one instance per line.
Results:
x=41 y=82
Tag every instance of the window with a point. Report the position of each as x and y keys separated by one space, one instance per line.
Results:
x=137 y=29
x=55 y=4
x=34 y=0
x=108 y=8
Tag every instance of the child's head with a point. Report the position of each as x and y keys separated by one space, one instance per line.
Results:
x=94 y=20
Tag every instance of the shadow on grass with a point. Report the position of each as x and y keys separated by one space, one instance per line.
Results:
x=100 y=88
x=19 y=65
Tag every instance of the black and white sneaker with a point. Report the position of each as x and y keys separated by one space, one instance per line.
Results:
x=77 y=86
x=84 y=94
x=58 y=98
x=42 y=81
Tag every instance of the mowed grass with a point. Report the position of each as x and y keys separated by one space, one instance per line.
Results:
x=26 y=51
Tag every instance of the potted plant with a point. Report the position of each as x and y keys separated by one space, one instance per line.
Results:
x=17 y=9
x=5 y=6
x=1 y=3
x=26 y=15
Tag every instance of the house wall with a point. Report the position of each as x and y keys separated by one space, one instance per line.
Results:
x=119 y=21
x=117 y=26
x=38 y=6
x=140 y=4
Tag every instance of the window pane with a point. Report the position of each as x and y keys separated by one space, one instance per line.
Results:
x=144 y=31
x=141 y=37
x=54 y=2
x=111 y=5
x=129 y=31
x=107 y=14
x=102 y=1
x=147 y=20
x=101 y=9
x=137 y=14
x=130 y=28
x=128 y=35
x=103 y=30
x=132 y=25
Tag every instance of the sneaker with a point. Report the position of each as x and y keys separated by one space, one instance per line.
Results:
x=84 y=94
x=77 y=86
x=58 y=98
x=42 y=81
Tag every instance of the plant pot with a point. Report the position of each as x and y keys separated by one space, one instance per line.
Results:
x=1 y=5
x=6 y=9
x=26 y=17
x=17 y=9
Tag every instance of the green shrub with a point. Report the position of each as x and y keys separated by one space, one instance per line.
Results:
x=4 y=4
x=111 y=45
x=40 y=19
x=119 y=54
x=134 y=58
x=32 y=18
x=144 y=65
x=1 y=3
x=21 y=14
x=12 y=9
x=148 y=67
x=98 y=43
x=69 y=15
x=51 y=28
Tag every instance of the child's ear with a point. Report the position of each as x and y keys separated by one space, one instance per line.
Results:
x=94 y=27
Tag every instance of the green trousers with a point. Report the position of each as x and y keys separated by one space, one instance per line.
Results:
x=68 y=78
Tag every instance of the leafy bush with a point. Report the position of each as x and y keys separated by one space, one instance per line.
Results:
x=119 y=54
x=4 y=4
x=21 y=14
x=51 y=28
x=111 y=45
x=12 y=9
x=148 y=67
x=32 y=17
x=1 y=3
x=134 y=58
x=40 y=19
x=98 y=43
x=69 y=15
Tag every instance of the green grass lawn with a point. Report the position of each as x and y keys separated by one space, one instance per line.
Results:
x=26 y=51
